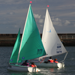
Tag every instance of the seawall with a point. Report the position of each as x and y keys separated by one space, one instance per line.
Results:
x=9 y=39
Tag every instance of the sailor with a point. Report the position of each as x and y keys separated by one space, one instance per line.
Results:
x=33 y=65
x=25 y=63
x=55 y=61
x=50 y=60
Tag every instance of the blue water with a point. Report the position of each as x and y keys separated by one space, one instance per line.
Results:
x=69 y=68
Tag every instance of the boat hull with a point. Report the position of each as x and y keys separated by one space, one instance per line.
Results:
x=20 y=68
x=49 y=65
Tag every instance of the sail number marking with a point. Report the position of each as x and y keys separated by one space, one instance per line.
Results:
x=39 y=51
x=59 y=48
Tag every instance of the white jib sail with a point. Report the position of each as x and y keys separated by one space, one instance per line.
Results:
x=52 y=44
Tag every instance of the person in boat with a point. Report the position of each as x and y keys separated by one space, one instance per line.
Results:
x=25 y=63
x=50 y=60
x=33 y=65
x=55 y=61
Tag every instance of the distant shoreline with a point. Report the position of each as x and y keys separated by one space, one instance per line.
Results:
x=9 y=39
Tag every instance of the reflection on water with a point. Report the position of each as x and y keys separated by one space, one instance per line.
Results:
x=25 y=73
x=44 y=71
x=52 y=71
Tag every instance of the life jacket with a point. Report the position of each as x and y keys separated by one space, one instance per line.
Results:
x=51 y=60
x=33 y=65
x=56 y=61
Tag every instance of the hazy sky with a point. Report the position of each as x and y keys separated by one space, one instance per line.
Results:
x=13 y=15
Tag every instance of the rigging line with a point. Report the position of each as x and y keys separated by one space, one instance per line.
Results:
x=43 y=59
x=64 y=57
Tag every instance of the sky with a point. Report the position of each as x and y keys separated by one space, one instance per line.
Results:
x=13 y=15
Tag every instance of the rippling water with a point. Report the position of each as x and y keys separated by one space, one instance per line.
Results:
x=69 y=68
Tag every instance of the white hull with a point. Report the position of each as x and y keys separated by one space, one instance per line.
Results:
x=49 y=65
x=22 y=68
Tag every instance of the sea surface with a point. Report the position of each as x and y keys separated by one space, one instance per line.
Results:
x=69 y=69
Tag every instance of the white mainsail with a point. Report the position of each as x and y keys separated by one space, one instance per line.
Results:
x=51 y=42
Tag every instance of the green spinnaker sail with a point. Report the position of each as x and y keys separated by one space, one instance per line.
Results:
x=31 y=44
x=14 y=55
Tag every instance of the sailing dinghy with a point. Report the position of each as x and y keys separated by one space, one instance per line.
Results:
x=51 y=42
x=30 y=46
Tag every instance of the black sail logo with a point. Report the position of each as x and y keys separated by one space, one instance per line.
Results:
x=39 y=51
